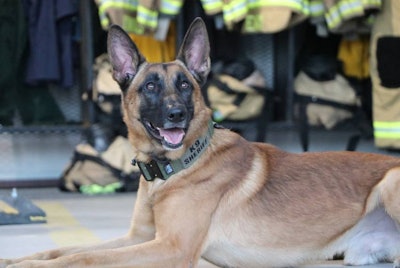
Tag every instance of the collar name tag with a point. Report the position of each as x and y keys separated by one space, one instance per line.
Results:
x=195 y=151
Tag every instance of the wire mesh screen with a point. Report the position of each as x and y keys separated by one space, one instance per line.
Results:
x=260 y=49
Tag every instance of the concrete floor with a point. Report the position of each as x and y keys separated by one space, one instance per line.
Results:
x=76 y=219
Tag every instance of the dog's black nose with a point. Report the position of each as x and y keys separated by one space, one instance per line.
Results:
x=176 y=114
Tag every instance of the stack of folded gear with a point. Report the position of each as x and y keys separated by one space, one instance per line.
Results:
x=330 y=97
x=235 y=91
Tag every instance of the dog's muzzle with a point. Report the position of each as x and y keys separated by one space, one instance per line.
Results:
x=173 y=131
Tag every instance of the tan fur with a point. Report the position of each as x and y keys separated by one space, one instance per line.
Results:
x=245 y=204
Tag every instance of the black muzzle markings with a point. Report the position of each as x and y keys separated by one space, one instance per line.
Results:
x=166 y=107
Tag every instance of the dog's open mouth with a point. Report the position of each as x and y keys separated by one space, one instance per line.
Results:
x=170 y=138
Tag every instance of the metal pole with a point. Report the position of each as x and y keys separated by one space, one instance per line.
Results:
x=86 y=56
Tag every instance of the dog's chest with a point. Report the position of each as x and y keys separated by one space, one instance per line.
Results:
x=234 y=240
x=230 y=252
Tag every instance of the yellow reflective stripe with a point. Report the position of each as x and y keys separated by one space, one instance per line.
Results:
x=386 y=124
x=317 y=8
x=105 y=22
x=387 y=130
x=129 y=5
x=235 y=10
x=346 y=9
x=131 y=25
x=211 y=4
x=147 y=17
x=387 y=135
x=337 y=13
x=302 y=6
x=170 y=7
x=372 y=3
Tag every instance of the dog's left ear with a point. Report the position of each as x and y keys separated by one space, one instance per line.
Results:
x=125 y=57
x=195 y=51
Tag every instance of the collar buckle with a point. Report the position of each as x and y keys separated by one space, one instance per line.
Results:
x=156 y=170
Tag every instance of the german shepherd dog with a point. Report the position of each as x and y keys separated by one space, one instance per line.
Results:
x=208 y=193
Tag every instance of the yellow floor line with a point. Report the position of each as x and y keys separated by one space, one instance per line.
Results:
x=64 y=229
x=7 y=208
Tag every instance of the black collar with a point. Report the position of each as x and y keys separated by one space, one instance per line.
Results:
x=156 y=169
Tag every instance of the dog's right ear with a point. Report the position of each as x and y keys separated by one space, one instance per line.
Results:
x=124 y=56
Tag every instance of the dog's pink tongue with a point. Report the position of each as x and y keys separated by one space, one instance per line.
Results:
x=173 y=135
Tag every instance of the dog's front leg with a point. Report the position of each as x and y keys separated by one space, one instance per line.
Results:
x=142 y=230
x=182 y=228
x=56 y=253
x=142 y=227
x=156 y=253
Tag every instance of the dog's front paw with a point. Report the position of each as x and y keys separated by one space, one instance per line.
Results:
x=27 y=264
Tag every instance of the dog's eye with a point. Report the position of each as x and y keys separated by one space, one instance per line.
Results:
x=150 y=86
x=184 y=85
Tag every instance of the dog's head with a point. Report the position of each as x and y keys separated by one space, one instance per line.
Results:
x=162 y=102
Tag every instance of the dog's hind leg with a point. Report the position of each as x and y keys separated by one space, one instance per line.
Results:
x=375 y=238
x=390 y=197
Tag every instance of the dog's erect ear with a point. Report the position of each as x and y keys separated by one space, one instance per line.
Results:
x=124 y=56
x=195 y=50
